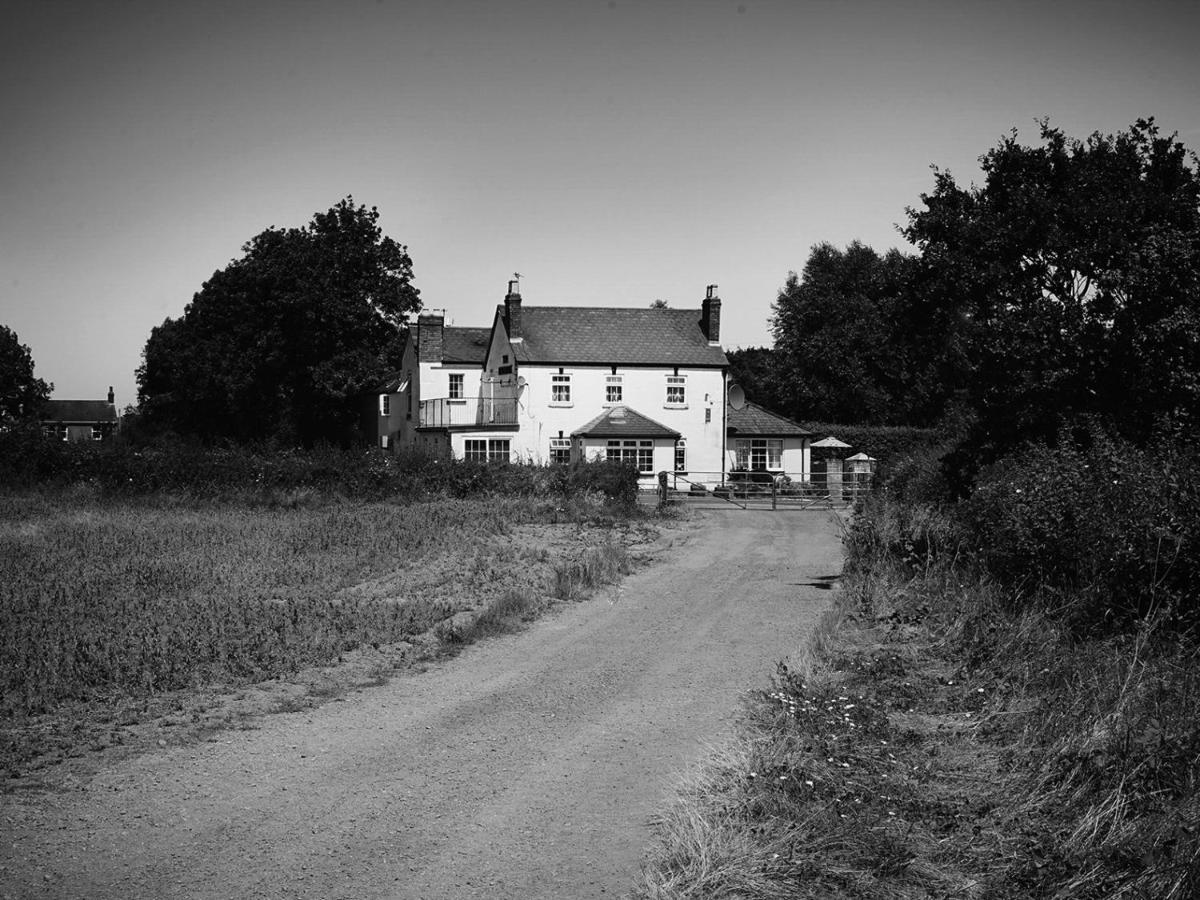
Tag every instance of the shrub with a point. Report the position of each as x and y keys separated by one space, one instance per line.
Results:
x=1110 y=525
x=265 y=473
x=884 y=442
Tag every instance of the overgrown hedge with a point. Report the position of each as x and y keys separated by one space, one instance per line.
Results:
x=884 y=442
x=1106 y=530
x=27 y=459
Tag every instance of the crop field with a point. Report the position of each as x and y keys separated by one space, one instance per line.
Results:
x=104 y=600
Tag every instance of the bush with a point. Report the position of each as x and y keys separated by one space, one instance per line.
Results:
x=884 y=442
x=1111 y=525
x=265 y=473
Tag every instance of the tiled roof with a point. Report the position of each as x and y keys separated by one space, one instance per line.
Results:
x=614 y=336
x=623 y=422
x=752 y=419
x=465 y=345
x=832 y=442
x=80 y=411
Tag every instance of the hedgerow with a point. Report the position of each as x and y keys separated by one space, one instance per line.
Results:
x=27 y=459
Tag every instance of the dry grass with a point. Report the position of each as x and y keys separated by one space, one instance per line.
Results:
x=933 y=743
x=119 y=611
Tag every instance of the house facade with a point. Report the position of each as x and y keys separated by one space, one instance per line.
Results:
x=81 y=420
x=759 y=440
x=438 y=362
x=557 y=384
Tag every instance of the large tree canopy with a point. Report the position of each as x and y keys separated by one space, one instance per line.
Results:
x=1073 y=278
x=275 y=344
x=21 y=394
x=850 y=345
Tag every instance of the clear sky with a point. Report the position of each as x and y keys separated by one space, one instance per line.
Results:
x=613 y=152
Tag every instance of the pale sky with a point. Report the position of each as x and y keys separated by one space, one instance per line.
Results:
x=612 y=152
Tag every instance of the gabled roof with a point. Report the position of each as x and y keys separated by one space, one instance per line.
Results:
x=465 y=345
x=623 y=422
x=753 y=420
x=79 y=411
x=832 y=442
x=614 y=336
x=393 y=384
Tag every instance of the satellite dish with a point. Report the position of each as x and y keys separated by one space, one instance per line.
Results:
x=737 y=397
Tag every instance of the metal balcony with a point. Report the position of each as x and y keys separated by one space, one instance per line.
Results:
x=474 y=412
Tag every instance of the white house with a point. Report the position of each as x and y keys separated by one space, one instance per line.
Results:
x=561 y=383
x=761 y=441
x=438 y=361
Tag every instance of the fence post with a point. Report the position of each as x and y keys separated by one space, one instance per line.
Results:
x=662 y=488
x=775 y=492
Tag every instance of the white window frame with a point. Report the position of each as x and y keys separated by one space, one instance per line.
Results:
x=614 y=390
x=768 y=450
x=97 y=433
x=560 y=389
x=385 y=404
x=639 y=452
x=560 y=451
x=676 y=384
x=457 y=386
x=681 y=456
x=487 y=449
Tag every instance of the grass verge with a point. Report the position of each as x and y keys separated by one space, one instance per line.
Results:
x=937 y=741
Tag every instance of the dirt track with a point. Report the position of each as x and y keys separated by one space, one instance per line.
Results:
x=527 y=767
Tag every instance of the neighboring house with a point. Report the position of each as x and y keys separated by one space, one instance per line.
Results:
x=81 y=420
x=560 y=383
x=761 y=441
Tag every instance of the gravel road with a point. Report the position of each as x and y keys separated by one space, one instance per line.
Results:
x=527 y=767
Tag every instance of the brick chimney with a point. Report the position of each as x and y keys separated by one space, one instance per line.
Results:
x=112 y=398
x=512 y=311
x=710 y=316
x=429 y=337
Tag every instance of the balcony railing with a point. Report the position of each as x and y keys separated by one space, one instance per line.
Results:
x=446 y=413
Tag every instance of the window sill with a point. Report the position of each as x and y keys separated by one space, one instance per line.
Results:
x=454 y=401
x=561 y=405
x=675 y=406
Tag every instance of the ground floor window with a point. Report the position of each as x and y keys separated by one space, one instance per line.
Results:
x=560 y=451
x=760 y=454
x=681 y=455
x=640 y=453
x=491 y=450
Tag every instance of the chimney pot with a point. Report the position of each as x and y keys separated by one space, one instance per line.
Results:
x=112 y=398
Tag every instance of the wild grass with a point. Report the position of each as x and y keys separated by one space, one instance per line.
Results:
x=100 y=597
x=942 y=740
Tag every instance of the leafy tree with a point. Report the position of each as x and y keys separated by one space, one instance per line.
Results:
x=275 y=344
x=659 y=304
x=21 y=394
x=842 y=340
x=1071 y=277
x=754 y=369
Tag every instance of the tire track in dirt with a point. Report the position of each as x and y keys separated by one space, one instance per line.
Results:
x=526 y=767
